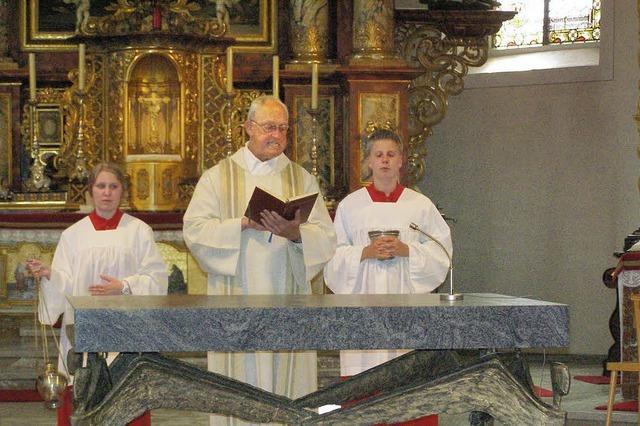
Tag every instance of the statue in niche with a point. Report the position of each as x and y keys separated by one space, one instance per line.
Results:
x=154 y=108
x=154 y=128
x=82 y=11
x=153 y=105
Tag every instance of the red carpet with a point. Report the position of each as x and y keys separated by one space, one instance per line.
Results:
x=621 y=406
x=595 y=380
x=542 y=392
x=19 y=395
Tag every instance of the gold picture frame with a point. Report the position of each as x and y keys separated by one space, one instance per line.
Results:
x=45 y=25
x=377 y=110
x=185 y=275
x=50 y=122
x=18 y=286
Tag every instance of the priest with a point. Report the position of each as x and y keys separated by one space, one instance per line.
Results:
x=275 y=256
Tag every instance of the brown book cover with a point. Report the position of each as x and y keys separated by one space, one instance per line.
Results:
x=263 y=200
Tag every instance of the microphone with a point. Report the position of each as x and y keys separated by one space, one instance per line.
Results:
x=451 y=296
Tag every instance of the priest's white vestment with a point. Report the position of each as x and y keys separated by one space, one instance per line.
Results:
x=421 y=272
x=128 y=252
x=252 y=262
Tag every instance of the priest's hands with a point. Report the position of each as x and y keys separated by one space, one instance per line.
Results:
x=246 y=223
x=276 y=224
x=38 y=268
x=109 y=287
x=385 y=248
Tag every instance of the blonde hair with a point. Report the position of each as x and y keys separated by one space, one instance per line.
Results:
x=107 y=167
x=378 y=135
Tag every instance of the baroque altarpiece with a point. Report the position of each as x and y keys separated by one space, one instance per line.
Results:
x=152 y=95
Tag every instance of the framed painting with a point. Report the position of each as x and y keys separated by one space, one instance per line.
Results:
x=252 y=23
x=18 y=286
x=376 y=110
x=49 y=121
x=47 y=24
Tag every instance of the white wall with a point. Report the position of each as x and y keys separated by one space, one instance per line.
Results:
x=542 y=182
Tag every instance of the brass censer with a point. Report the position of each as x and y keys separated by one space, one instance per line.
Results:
x=50 y=383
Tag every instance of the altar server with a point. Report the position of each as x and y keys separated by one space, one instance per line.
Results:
x=370 y=259
x=107 y=252
x=275 y=256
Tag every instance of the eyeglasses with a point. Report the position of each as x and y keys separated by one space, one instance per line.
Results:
x=271 y=127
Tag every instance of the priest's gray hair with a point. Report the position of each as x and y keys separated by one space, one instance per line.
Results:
x=259 y=103
x=378 y=135
x=113 y=168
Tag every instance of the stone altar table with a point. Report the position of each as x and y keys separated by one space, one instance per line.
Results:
x=411 y=385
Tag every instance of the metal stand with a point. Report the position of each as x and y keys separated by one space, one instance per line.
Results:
x=37 y=181
x=79 y=171
x=451 y=296
x=228 y=134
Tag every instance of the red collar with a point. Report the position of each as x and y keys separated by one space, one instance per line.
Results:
x=380 y=197
x=102 y=224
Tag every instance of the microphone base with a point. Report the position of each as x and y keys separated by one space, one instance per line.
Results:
x=451 y=297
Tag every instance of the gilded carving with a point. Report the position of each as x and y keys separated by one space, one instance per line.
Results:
x=167 y=183
x=309 y=30
x=377 y=110
x=215 y=112
x=118 y=65
x=373 y=28
x=131 y=17
x=446 y=61
x=143 y=185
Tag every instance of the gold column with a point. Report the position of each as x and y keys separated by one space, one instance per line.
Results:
x=309 y=31
x=373 y=34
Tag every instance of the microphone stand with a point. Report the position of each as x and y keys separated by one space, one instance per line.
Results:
x=451 y=296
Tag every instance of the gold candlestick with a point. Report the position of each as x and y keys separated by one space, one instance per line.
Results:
x=79 y=171
x=37 y=181
x=32 y=77
x=314 y=86
x=81 y=66
x=228 y=134
x=229 y=70
x=276 y=76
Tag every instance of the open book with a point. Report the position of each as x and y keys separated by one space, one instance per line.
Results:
x=262 y=200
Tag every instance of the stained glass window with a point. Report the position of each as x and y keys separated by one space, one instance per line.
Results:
x=543 y=22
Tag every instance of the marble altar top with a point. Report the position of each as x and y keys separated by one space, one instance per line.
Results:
x=278 y=322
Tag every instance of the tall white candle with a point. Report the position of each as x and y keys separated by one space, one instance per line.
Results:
x=32 y=76
x=229 y=70
x=276 y=76
x=314 y=85
x=81 y=66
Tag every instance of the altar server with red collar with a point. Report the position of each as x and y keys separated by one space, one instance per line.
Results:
x=388 y=264
x=107 y=252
